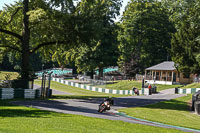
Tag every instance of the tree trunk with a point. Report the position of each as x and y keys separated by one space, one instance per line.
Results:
x=74 y=71
x=100 y=71
x=91 y=74
x=25 y=42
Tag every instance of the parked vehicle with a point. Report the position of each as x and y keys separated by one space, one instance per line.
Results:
x=105 y=105
x=195 y=101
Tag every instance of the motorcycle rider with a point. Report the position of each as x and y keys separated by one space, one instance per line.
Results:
x=135 y=90
x=105 y=105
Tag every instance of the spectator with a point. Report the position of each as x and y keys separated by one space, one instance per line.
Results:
x=150 y=89
x=149 y=86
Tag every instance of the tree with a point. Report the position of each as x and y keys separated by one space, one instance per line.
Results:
x=144 y=36
x=100 y=19
x=89 y=58
x=186 y=40
x=100 y=46
x=35 y=26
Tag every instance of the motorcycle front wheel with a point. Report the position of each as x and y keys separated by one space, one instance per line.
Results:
x=101 y=109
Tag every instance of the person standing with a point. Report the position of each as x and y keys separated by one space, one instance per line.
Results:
x=150 y=89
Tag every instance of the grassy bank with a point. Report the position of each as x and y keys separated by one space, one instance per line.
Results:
x=193 y=85
x=128 y=85
x=19 y=119
x=78 y=92
x=173 y=112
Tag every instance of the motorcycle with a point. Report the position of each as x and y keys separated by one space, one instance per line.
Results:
x=136 y=91
x=105 y=105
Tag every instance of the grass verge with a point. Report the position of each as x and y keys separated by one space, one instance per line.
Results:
x=77 y=92
x=172 y=112
x=193 y=85
x=128 y=85
x=19 y=119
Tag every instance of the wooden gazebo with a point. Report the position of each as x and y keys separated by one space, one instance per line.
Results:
x=166 y=73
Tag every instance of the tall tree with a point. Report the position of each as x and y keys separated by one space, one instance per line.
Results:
x=144 y=36
x=100 y=46
x=34 y=26
x=100 y=18
x=186 y=41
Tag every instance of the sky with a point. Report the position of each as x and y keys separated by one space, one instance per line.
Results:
x=2 y=2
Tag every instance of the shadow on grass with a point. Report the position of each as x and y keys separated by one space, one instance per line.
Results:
x=75 y=97
x=24 y=113
x=11 y=110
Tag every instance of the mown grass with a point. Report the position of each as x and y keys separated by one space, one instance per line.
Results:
x=77 y=92
x=193 y=85
x=164 y=87
x=19 y=119
x=172 y=112
x=13 y=75
x=128 y=85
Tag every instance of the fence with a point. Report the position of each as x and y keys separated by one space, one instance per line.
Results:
x=95 y=81
x=186 y=91
x=160 y=78
x=56 y=72
x=11 y=93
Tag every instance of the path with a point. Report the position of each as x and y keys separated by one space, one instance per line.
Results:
x=89 y=107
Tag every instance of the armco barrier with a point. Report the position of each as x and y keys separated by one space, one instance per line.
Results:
x=186 y=91
x=11 y=93
x=102 y=90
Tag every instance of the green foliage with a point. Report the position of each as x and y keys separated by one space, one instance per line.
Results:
x=8 y=62
x=37 y=15
x=98 y=43
x=185 y=42
x=10 y=22
x=7 y=77
x=144 y=36
x=44 y=29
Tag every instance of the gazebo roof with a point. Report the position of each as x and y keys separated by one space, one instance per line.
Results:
x=166 y=65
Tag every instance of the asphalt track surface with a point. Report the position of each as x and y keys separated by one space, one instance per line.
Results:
x=89 y=107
